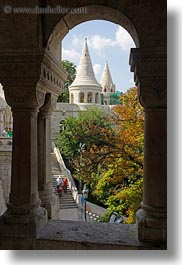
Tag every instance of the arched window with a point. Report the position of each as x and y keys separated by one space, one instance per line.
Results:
x=81 y=97
x=89 y=97
x=61 y=126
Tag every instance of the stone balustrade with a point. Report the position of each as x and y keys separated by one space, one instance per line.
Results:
x=5 y=144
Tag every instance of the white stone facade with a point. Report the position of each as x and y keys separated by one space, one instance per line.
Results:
x=63 y=111
x=5 y=171
x=6 y=119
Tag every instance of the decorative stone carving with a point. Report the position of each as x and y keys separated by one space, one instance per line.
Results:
x=49 y=103
x=152 y=93
x=40 y=96
x=52 y=74
x=24 y=97
x=22 y=71
x=149 y=67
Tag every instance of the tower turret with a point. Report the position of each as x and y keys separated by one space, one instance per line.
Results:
x=107 y=85
x=85 y=89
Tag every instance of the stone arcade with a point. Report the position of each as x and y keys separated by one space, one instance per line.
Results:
x=32 y=80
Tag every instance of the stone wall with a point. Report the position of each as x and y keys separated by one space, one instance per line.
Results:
x=63 y=111
x=5 y=171
x=2 y=201
x=97 y=210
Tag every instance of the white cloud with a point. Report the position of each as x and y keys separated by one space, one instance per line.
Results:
x=98 y=42
x=123 y=39
x=97 y=69
x=71 y=55
x=76 y=41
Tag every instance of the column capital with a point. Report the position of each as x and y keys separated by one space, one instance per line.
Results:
x=49 y=103
x=24 y=97
x=24 y=72
x=150 y=75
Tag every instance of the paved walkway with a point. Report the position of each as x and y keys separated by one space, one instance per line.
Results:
x=73 y=214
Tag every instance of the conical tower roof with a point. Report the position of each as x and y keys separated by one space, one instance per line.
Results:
x=106 y=79
x=85 y=74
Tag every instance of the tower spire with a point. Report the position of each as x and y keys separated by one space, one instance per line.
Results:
x=106 y=80
x=85 y=89
x=85 y=74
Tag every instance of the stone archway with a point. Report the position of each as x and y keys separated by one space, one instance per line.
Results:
x=30 y=70
x=92 y=12
x=148 y=65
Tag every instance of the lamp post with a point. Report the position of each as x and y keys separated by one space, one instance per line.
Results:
x=85 y=192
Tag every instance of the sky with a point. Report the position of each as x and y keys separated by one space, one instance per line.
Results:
x=106 y=42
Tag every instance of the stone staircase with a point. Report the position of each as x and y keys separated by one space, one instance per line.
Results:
x=66 y=200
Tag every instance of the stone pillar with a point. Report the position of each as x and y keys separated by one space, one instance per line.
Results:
x=85 y=97
x=1 y=121
x=149 y=67
x=24 y=217
x=46 y=193
x=27 y=75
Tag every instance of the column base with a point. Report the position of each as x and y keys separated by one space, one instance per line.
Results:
x=50 y=202
x=150 y=228
x=20 y=231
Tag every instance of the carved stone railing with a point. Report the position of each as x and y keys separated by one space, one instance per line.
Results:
x=5 y=144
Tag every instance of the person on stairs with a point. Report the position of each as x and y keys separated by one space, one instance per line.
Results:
x=65 y=183
x=59 y=182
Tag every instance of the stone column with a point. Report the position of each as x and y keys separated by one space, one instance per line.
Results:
x=149 y=67
x=85 y=100
x=24 y=217
x=1 y=122
x=46 y=193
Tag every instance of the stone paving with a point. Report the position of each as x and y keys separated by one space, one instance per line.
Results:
x=72 y=214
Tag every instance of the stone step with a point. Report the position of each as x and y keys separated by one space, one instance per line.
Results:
x=66 y=199
x=67 y=206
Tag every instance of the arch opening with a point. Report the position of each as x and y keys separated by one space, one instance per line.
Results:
x=94 y=12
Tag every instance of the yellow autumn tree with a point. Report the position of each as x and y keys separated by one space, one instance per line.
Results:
x=120 y=187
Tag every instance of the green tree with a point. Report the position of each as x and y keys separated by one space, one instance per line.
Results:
x=111 y=162
x=86 y=141
x=71 y=70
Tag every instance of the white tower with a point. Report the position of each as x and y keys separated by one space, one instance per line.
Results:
x=85 y=90
x=6 y=119
x=107 y=85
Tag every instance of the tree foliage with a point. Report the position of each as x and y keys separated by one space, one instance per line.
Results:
x=120 y=187
x=107 y=153
x=71 y=70
x=86 y=140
